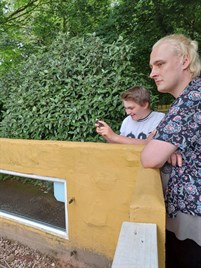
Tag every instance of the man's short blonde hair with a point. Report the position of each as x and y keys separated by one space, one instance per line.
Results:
x=184 y=46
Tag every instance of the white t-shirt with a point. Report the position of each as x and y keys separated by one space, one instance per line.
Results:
x=141 y=128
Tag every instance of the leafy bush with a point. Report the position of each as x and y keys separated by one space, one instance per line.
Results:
x=59 y=92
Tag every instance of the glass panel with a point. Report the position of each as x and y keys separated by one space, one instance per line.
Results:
x=33 y=199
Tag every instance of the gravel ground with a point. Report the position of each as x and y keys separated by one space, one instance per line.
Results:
x=16 y=255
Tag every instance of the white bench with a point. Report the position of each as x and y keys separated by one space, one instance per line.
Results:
x=137 y=246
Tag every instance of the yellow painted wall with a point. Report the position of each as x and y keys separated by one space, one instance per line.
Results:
x=163 y=108
x=108 y=184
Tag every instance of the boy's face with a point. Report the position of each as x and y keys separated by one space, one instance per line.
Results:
x=135 y=110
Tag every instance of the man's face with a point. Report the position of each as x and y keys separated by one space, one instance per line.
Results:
x=166 y=68
x=135 y=110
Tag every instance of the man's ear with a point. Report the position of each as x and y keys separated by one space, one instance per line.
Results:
x=186 y=62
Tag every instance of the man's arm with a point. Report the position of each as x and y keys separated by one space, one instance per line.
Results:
x=156 y=153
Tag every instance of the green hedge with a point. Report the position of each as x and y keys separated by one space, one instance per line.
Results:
x=58 y=93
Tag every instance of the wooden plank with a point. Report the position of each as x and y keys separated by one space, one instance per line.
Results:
x=137 y=246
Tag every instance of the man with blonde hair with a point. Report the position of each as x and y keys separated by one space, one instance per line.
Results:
x=175 y=68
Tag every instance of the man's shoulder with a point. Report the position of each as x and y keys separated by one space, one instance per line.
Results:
x=194 y=85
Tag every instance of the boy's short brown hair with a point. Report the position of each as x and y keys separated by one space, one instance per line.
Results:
x=138 y=94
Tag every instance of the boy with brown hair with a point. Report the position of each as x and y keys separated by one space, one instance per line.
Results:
x=139 y=123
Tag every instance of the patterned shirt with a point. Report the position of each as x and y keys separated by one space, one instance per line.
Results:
x=182 y=127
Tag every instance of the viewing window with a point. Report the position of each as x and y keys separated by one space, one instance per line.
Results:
x=35 y=201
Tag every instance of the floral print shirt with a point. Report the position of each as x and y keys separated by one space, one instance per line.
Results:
x=181 y=127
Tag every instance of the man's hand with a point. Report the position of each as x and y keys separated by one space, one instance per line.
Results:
x=175 y=159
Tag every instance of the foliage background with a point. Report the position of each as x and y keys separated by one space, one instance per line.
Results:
x=62 y=90
x=64 y=63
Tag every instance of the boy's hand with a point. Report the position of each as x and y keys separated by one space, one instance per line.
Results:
x=151 y=135
x=98 y=123
x=103 y=129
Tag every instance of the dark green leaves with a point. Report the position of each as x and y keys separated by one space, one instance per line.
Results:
x=59 y=92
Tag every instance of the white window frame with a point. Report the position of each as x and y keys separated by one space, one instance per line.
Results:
x=27 y=222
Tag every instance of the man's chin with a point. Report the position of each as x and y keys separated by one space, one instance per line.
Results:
x=161 y=89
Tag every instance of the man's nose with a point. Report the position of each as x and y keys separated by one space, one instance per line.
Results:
x=152 y=73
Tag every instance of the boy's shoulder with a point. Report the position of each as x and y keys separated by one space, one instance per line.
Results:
x=158 y=114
